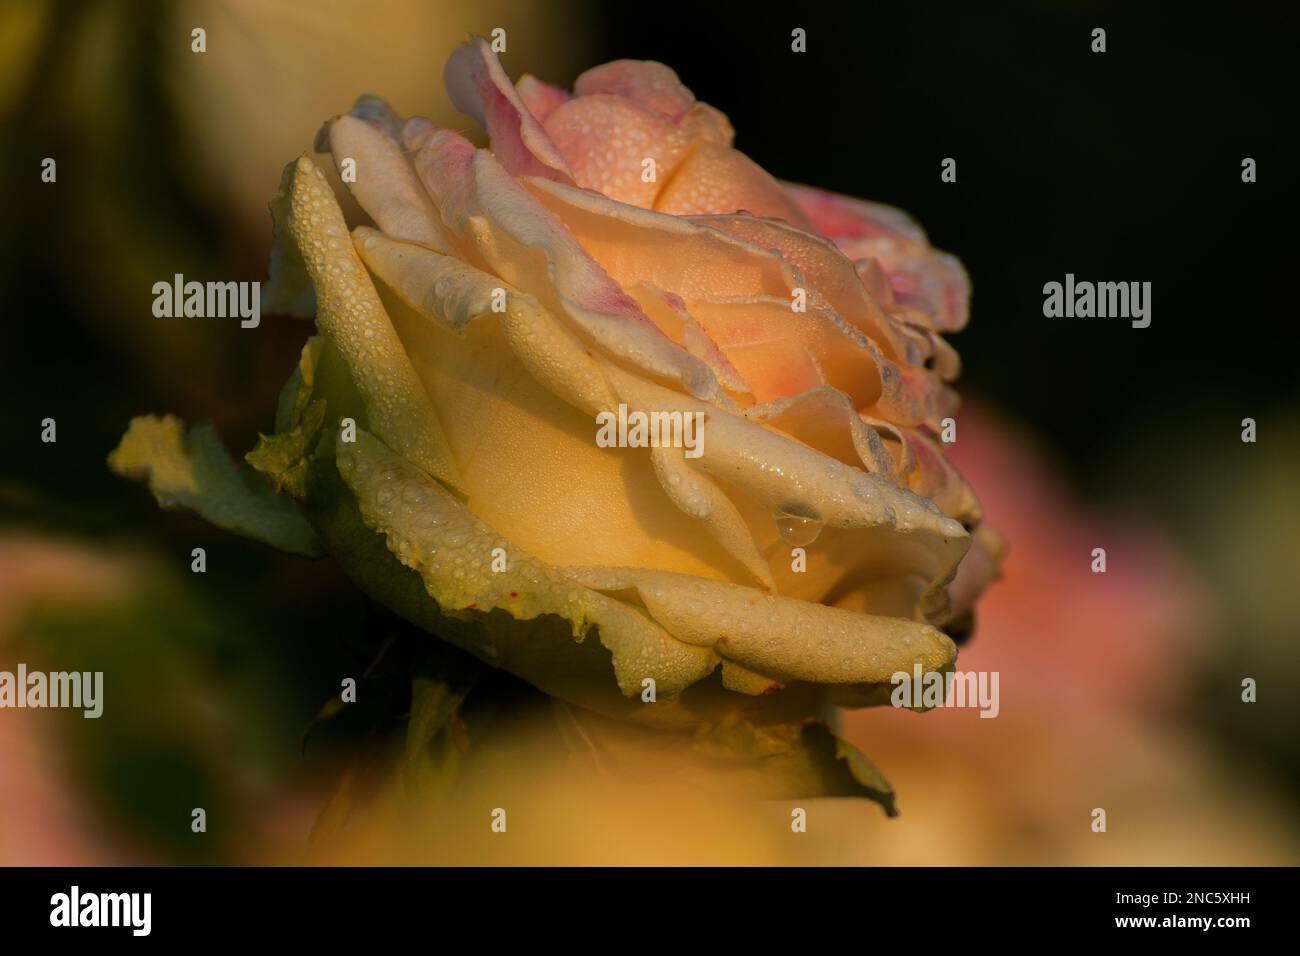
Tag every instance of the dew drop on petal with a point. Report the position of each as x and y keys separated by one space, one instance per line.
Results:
x=798 y=530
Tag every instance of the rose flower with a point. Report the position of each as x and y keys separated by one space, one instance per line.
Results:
x=611 y=254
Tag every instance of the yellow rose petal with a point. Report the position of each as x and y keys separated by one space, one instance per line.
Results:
x=351 y=316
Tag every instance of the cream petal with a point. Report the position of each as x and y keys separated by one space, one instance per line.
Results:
x=744 y=681
x=385 y=186
x=439 y=287
x=701 y=498
x=789 y=639
x=453 y=294
x=790 y=478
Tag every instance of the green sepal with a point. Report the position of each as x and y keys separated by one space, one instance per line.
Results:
x=192 y=471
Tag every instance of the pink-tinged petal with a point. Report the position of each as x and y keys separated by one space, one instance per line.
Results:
x=876 y=282
x=606 y=141
x=934 y=477
x=836 y=215
x=541 y=98
x=644 y=82
x=932 y=283
x=912 y=397
x=479 y=88
x=715 y=179
x=980 y=568
x=921 y=466
x=503 y=228
x=942 y=357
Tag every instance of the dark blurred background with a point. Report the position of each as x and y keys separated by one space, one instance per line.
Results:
x=1123 y=166
x=1117 y=166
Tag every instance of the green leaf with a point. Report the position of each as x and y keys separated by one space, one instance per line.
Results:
x=193 y=472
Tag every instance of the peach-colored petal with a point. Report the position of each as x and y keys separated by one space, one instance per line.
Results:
x=715 y=179
x=609 y=143
x=669 y=312
x=746 y=326
x=644 y=82
x=921 y=465
x=705 y=124
x=479 y=88
x=673 y=253
x=826 y=269
x=771 y=369
x=824 y=418
x=516 y=238
x=745 y=291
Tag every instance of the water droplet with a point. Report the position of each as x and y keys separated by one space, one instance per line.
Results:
x=798 y=530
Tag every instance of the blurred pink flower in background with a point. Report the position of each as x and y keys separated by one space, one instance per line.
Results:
x=1095 y=694
x=42 y=820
